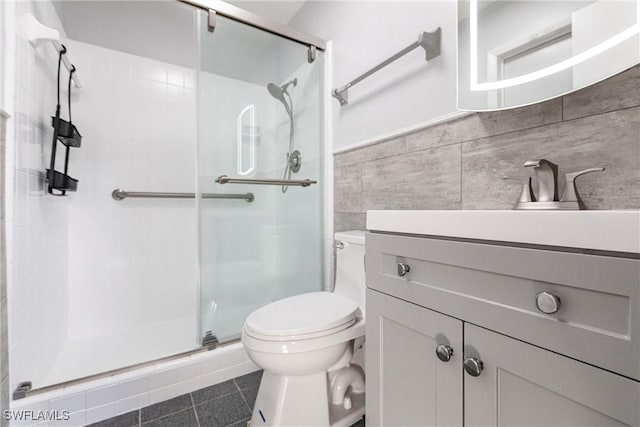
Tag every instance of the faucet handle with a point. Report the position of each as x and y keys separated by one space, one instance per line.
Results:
x=574 y=175
x=527 y=194
x=570 y=194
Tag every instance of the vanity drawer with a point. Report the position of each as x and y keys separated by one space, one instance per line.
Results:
x=494 y=286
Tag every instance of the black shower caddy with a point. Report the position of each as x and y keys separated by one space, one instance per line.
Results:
x=65 y=132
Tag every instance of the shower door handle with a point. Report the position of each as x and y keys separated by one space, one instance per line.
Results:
x=224 y=179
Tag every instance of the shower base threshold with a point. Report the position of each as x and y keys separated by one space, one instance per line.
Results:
x=107 y=395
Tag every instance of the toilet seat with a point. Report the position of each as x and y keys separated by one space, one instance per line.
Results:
x=304 y=316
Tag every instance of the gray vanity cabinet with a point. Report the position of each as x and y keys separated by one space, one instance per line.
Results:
x=512 y=363
x=524 y=385
x=406 y=383
x=519 y=384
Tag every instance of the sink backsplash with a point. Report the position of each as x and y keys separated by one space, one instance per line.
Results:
x=459 y=164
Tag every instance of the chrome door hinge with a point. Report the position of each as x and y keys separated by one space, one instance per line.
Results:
x=211 y=22
x=21 y=391
x=312 y=53
x=210 y=340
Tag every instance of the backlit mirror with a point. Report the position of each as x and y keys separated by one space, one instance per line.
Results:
x=513 y=53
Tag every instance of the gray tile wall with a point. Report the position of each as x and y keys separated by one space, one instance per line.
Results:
x=460 y=164
x=4 y=341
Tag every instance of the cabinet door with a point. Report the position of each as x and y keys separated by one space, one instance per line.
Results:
x=407 y=385
x=524 y=385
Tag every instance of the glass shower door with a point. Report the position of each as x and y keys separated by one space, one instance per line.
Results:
x=259 y=101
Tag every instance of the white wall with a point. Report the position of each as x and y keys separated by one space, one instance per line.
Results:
x=365 y=33
x=37 y=224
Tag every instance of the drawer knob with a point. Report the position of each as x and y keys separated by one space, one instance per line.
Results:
x=547 y=302
x=403 y=269
x=473 y=366
x=444 y=352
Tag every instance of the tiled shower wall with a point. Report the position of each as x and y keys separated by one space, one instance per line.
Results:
x=460 y=164
x=4 y=332
x=36 y=225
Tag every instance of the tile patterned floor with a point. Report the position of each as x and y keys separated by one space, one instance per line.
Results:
x=228 y=404
x=221 y=405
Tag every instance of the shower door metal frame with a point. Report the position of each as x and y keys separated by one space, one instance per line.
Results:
x=237 y=14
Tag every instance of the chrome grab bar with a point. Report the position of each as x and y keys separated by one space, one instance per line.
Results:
x=120 y=194
x=224 y=179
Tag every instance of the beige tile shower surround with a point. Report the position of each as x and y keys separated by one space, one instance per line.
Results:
x=460 y=164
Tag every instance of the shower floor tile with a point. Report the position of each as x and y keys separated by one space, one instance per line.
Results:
x=228 y=404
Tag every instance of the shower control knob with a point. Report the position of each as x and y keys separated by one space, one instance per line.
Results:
x=403 y=269
x=547 y=302
x=444 y=352
x=473 y=366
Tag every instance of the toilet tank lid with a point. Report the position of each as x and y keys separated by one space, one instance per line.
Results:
x=355 y=237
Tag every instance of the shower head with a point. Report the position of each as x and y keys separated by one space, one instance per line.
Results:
x=278 y=92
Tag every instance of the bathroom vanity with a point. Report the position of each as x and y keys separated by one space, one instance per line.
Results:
x=531 y=319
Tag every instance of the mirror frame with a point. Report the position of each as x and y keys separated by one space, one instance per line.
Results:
x=552 y=31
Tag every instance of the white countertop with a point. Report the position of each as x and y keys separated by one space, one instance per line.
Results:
x=617 y=231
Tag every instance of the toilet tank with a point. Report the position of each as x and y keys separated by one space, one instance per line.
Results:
x=350 y=277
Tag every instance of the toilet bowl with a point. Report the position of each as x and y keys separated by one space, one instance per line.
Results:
x=311 y=347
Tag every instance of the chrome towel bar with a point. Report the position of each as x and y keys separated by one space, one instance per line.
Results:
x=120 y=194
x=429 y=41
x=224 y=179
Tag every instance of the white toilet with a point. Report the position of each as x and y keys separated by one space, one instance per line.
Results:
x=311 y=347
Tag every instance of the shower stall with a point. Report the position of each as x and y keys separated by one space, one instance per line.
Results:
x=200 y=193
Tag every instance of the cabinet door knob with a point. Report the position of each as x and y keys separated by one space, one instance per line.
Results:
x=547 y=302
x=444 y=352
x=403 y=269
x=473 y=366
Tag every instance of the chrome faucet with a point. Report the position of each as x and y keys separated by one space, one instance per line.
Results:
x=547 y=178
